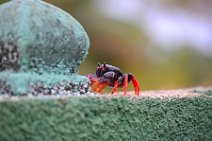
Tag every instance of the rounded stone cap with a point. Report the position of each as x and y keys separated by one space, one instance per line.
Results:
x=37 y=36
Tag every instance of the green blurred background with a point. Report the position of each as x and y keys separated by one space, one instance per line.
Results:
x=166 y=44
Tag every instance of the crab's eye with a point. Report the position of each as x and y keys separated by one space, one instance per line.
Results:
x=100 y=72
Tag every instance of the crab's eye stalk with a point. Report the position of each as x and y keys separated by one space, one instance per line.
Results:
x=98 y=64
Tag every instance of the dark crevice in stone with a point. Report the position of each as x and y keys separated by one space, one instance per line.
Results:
x=5 y=89
x=63 y=88
x=9 y=56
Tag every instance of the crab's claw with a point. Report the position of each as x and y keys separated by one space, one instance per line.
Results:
x=136 y=85
x=98 y=83
x=99 y=86
x=93 y=78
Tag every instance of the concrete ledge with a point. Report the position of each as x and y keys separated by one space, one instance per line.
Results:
x=92 y=118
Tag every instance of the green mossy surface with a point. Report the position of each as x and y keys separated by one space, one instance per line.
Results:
x=103 y=118
x=41 y=43
x=45 y=35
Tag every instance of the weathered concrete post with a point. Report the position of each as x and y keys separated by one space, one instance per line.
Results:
x=41 y=48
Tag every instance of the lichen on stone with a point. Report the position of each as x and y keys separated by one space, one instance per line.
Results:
x=40 y=45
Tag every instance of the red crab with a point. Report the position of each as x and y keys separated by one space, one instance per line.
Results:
x=108 y=75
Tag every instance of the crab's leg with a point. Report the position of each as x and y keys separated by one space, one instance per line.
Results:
x=115 y=88
x=136 y=85
x=125 y=84
x=117 y=84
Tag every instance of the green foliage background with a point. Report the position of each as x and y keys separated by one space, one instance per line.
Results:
x=106 y=118
x=127 y=46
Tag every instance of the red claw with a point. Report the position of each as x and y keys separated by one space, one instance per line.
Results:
x=92 y=78
x=98 y=87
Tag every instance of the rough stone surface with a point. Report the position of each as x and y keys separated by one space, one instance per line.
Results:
x=44 y=35
x=38 y=41
x=103 y=118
